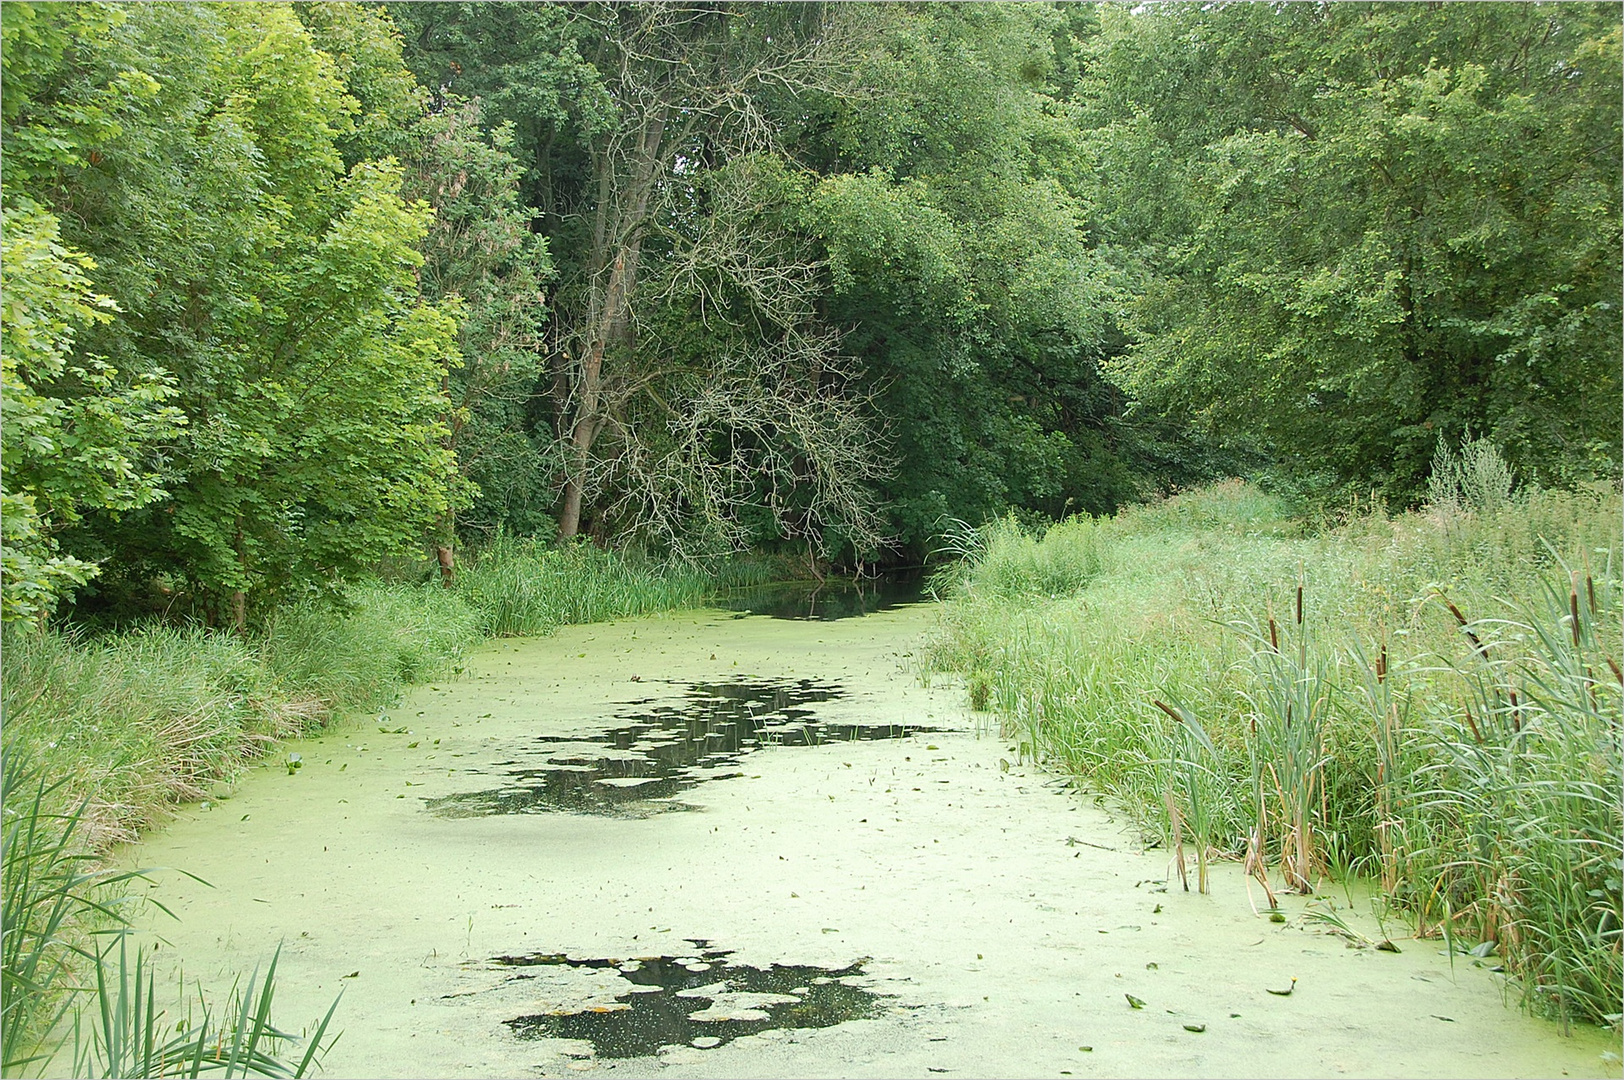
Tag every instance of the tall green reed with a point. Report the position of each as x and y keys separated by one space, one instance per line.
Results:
x=52 y=892
x=1528 y=770
x=519 y=587
x=1290 y=699
x=129 y=1036
x=61 y=907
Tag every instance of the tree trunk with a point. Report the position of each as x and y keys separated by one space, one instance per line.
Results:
x=239 y=597
x=622 y=211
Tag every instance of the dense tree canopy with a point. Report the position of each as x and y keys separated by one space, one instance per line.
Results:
x=290 y=288
x=1363 y=227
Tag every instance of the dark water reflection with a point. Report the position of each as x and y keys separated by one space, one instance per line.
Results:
x=836 y=598
x=635 y=768
x=671 y=1000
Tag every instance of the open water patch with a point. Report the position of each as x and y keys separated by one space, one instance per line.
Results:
x=701 y=1000
x=635 y=769
x=826 y=601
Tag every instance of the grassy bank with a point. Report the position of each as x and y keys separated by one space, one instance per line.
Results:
x=1430 y=699
x=104 y=734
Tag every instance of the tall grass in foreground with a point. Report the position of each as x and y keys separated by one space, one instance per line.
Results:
x=1431 y=699
x=60 y=909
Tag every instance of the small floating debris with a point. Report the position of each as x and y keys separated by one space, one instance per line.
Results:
x=1286 y=992
x=1133 y=1002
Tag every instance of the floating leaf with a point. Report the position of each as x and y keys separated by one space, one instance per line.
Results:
x=1134 y=1002
x=1197 y=1028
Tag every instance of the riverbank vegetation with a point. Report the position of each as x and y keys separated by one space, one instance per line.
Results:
x=578 y=302
x=1427 y=699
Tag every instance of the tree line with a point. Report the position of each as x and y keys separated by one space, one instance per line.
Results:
x=291 y=288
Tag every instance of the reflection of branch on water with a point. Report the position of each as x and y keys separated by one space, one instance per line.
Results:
x=636 y=769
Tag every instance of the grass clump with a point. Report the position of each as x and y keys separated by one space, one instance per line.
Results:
x=1011 y=562
x=1432 y=699
x=138 y=720
x=520 y=587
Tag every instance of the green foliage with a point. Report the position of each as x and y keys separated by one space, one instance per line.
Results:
x=481 y=250
x=270 y=285
x=955 y=228
x=1360 y=228
x=75 y=434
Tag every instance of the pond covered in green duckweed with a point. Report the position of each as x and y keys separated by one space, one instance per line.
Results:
x=490 y=904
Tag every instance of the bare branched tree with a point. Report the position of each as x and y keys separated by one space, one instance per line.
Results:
x=668 y=152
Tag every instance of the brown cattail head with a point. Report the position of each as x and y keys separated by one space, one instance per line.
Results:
x=1299 y=603
x=1617 y=674
x=1168 y=709
x=1274 y=635
x=1590 y=582
x=1381 y=665
x=1455 y=611
x=1516 y=713
x=1573 y=608
x=1472 y=723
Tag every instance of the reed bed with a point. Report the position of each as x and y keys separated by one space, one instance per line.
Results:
x=521 y=587
x=1428 y=699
